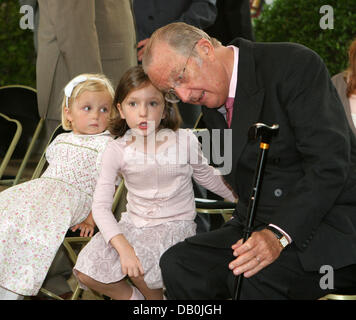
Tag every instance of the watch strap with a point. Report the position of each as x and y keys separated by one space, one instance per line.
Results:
x=279 y=235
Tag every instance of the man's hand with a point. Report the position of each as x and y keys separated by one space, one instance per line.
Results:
x=260 y=250
x=142 y=46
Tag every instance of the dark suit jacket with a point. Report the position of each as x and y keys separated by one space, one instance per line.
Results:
x=233 y=20
x=309 y=184
x=154 y=14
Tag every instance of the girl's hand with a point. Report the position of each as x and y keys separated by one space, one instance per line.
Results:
x=130 y=263
x=86 y=229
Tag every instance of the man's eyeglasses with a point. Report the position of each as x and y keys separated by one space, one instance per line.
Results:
x=171 y=95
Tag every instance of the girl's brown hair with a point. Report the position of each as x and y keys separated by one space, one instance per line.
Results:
x=351 y=71
x=134 y=79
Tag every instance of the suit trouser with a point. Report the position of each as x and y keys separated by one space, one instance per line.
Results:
x=193 y=269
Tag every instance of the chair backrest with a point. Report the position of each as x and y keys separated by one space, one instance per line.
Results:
x=8 y=143
x=20 y=103
x=42 y=162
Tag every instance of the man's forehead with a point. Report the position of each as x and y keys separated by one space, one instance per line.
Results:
x=163 y=66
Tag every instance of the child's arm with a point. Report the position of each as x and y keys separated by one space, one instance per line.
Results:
x=130 y=264
x=105 y=189
x=103 y=216
x=86 y=227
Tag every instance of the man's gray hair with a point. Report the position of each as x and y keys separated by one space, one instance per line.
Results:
x=180 y=36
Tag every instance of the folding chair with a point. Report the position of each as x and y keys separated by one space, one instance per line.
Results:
x=209 y=206
x=220 y=209
x=347 y=294
x=20 y=103
x=8 y=147
x=42 y=162
x=333 y=296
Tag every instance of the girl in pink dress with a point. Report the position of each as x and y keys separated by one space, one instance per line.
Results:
x=157 y=161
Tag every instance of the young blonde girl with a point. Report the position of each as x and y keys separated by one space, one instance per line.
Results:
x=35 y=215
x=155 y=158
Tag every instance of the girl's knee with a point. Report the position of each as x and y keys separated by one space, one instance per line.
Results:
x=82 y=277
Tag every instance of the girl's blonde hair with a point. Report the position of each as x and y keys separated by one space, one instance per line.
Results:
x=87 y=82
x=133 y=79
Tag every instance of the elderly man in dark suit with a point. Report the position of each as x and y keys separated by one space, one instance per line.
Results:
x=306 y=218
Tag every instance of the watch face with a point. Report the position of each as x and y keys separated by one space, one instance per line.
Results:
x=284 y=241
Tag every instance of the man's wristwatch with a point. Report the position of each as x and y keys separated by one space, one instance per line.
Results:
x=279 y=235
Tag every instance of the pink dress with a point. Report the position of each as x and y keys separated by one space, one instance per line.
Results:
x=35 y=215
x=160 y=203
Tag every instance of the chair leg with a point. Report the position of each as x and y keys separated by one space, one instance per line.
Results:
x=50 y=294
x=76 y=293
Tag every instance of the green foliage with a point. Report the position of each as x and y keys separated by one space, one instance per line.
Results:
x=299 y=21
x=17 y=53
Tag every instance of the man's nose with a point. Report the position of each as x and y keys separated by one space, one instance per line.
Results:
x=183 y=94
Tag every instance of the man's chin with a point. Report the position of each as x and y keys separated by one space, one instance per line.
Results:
x=213 y=105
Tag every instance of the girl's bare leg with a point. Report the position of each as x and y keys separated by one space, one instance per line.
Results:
x=150 y=294
x=120 y=290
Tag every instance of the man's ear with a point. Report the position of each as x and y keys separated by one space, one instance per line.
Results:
x=119 y=108
x=205 y=48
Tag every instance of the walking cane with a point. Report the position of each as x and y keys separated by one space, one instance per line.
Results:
x=266 y=133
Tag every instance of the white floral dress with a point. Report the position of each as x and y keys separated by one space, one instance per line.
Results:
x=35 y=215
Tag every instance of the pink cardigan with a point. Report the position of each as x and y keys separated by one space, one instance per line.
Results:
x=159 y=184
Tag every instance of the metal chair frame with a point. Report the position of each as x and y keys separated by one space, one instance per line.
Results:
x=226 y=213
x=12 y=145
x=30 y=147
